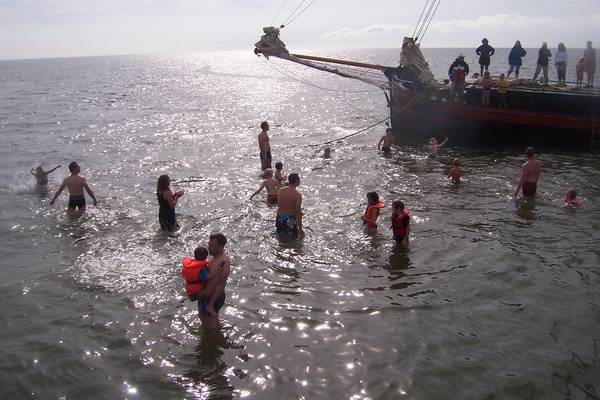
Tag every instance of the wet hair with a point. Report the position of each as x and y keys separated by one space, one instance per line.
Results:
x=264 y=124
x=571 y=194
x=72 y=166
x=39 y=169
x=293 y=179
x=163 y=183
x=220 y=238
x=200 y=253
x=278 y=166
x=529 y=151
x=373 y=197
x=456 y=162
x=398 y=204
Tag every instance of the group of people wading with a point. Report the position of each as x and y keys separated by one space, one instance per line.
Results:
x=459 y=69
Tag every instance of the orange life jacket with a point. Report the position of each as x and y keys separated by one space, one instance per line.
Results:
x=399 y=223
x=368 y=214
x=189 y=271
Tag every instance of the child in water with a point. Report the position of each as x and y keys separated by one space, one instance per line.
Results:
x=279 y=174
x=196 y=274
x=433 y=146
x=400 y=222
x=272 y=186
x=454 y=173
x=374 y=207
x=41 y=176
x=571 y=199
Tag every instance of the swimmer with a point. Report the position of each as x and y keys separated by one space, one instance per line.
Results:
x=433 y=146
x=374 y=207
x=385 y=143
x=76 y=184
x=279 y=174
x=327 y=152
x=400 y=222
x=454 y=173
x=272 y=186
x=571 y=199
x=530 y=174
x=41 y=176
x=289 y=210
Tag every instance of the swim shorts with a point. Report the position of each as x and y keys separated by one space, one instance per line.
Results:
x=529 y=189
x=272 y=199
x=76 y=201
x=287 y=226
x=268 y=155
x=203 y=303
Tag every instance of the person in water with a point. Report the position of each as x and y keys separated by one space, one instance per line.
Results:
x=571 y=199
x=501 y=90
x=76 y=185
x=485 y=51
x=289 y=210
x=272 y=186
x=279 y=173
x=433 y=147
x=374 y=206
x=264 y=146
x=327 y=152
x=167 y=201
x=195 y=273
x=542 y=62
x=455 y=172
x=385 y=143
x=219 y=268
x=515 y=59
x=400 y=222
x=41 y=176
x=486 y=84
x=530 y=174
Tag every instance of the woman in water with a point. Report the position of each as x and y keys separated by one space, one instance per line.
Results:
x=166 y=204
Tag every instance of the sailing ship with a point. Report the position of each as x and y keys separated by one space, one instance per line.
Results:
x=419 y=105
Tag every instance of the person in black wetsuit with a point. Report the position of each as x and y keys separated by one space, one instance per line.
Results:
x=166 y=204
x=485 y=51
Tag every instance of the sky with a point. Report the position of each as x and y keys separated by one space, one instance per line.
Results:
x=67 y=28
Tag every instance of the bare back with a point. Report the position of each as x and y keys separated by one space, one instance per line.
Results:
x=289 y=201
x=75 y=184
x=263 y=142
x=531 y=171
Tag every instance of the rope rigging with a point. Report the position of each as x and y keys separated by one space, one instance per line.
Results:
x=295 y=13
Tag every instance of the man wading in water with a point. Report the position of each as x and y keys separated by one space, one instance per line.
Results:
x=264 y=146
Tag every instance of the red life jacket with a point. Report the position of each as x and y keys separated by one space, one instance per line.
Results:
x=368 y=212
x=400 y=223
x=458 y=74
x=189 y=271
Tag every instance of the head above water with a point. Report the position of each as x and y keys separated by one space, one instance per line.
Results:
x=74 y=168
x=201 y=253
x=163 y=183
x=571 y=194
x=39 y=170
x=268 y=173
x=530 y=152
x=327 y=152
x=264 y=126
x=388 y=131
x=398 y=205
x=373 y=197
x=456 y=162
x=432 y=140
x=294 y=179
x=278 y=166
x=216 y=243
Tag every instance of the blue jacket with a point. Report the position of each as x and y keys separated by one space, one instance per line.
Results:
x=515 y=55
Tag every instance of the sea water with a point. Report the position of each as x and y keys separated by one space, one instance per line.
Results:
x=494 y=298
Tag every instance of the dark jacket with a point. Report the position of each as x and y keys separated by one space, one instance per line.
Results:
x=515 y=56
x=543 y=56
x=484 y=52
x=458 y=71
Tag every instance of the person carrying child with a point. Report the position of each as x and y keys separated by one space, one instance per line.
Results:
x=454 y=173
x=41 y=176
x=374 y=206
x=400 y=222
x=212 y=298
x=272 y=186
x=76 y=184
x=195 y=273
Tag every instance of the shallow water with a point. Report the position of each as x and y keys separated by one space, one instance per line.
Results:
x=494 y=297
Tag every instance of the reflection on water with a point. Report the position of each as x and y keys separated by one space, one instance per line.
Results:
x=492 y=298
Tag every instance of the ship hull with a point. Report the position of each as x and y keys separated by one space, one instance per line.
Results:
x=470 y=124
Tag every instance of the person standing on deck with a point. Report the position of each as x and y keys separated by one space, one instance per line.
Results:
x=485 y=51
x=530 y=174
x=264 y=146
x=542 y=62
x=458 y=70
x=515 y=59
x=561 y=64
x=590 y=63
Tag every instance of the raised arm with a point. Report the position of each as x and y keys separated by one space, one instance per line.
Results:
x=53 y=169
x=444 y=142
x=58 y=192
x=90 y=193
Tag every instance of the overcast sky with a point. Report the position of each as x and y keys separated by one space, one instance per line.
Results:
x=58 y=28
